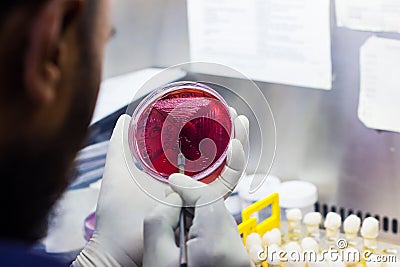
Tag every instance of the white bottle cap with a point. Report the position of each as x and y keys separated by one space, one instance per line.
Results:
x=270 y=185
x=332 y=220
x=292 y=246
x=294 y=214
x=352 y=224
x=370 y=228
x=254 y=253
x=274 y=254
x=309 y=244
x=297 y=194
x=273 y=237
x=312 y=218
x=253 y=239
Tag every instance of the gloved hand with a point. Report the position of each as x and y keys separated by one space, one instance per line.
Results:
x=127 y=195
x=213 y=238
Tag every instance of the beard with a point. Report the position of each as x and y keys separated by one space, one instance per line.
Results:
x=35 y=173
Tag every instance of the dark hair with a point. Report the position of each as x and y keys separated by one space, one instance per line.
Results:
x=7 y=6
x=33 y=173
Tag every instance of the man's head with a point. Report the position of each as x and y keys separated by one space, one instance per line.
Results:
x=51 y=53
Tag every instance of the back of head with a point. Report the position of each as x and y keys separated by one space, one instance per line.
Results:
x=50 y=70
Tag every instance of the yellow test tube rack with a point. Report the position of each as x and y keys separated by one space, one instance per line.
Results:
x=250 y=224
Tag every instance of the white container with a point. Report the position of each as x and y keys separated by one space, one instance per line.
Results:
x=233 y=205
x=297 y=194
x=270 y=185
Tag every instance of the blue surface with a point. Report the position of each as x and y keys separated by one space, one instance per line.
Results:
x=19 y=255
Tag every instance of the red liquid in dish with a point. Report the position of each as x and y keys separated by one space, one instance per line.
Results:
x=188 y=121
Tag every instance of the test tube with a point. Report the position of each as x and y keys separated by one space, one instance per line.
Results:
x=254 y=254
x=351 y=226
x=254 y=247
x=369 y=232
x=310 y=249
x=309 y=244
x=293 y=248
x=273 y=237
x=273 y=255
x=253 y=239
x=332 y=224
x=294 y=224
x=312 y=220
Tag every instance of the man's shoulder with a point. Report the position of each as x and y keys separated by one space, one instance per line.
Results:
x=17 y=255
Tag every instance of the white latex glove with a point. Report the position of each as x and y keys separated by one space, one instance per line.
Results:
x=213 y=238
x=160 y=248
x=127 y=195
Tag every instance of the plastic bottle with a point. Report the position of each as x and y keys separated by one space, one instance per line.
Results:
x=332 y=224
x=312 y=220
x=369 y=232
x=297 y=194
x=294 y=224
x=351 y=226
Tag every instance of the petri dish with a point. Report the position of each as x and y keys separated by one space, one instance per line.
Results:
x=89 y=226
x=182 y=119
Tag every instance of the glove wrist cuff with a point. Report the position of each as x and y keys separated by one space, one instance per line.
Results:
x=95 y=254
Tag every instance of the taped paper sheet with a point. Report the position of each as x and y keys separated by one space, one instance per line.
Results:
x=279 y=41
x=379 y=106
x=369 y=15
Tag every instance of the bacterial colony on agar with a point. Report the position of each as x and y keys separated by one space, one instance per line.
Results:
x=184 y=117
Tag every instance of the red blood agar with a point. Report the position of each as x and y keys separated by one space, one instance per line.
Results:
x=184 y=117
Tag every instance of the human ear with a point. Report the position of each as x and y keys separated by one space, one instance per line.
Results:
x=48 y=35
